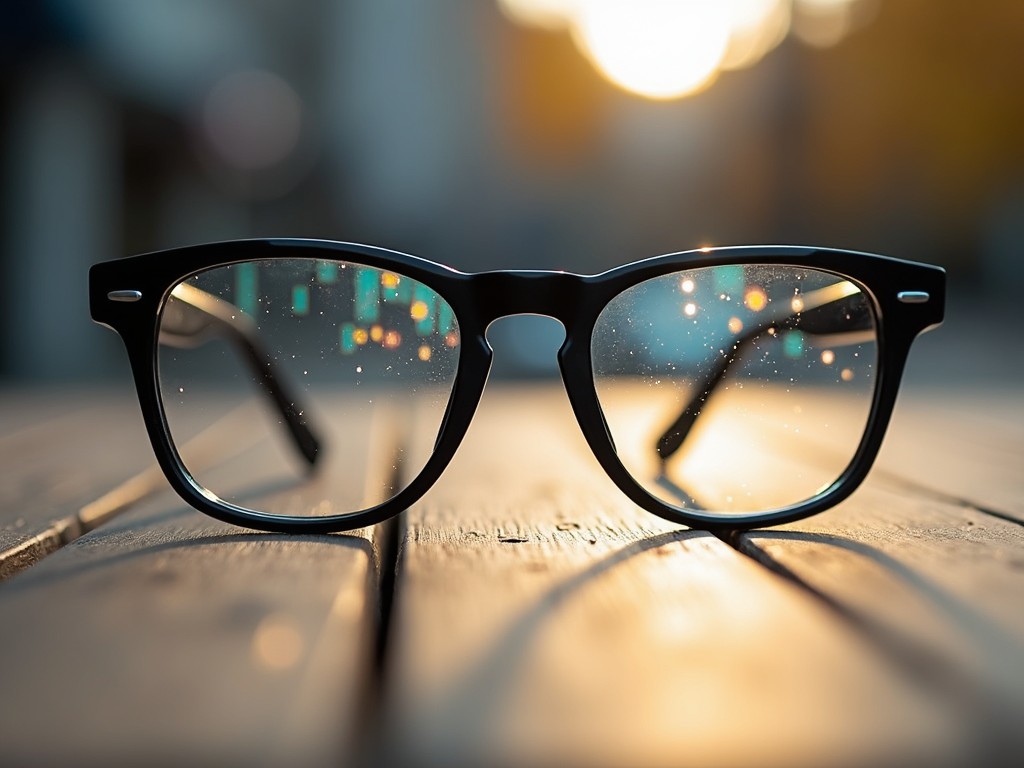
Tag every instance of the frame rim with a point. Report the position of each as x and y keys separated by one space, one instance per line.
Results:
x=478 y=299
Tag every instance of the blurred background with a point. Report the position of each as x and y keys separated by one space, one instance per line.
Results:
x=558 y=134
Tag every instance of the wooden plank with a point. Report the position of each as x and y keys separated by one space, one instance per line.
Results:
x=542 y=619
x=912 y=560
x=963 y=443
x=166 y=636
x=179 y=641
x=958 y=427
x=61 y=450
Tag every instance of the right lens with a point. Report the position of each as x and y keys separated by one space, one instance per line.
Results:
x=737 y=389
x=364 y=358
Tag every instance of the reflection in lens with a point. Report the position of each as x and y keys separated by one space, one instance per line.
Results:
x=264 y=364
x=736 y=389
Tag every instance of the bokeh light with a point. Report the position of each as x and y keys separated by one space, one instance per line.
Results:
x=755 y=298
x=657 y=49
x=253 y=120
x=667 y=50
x=487 y=135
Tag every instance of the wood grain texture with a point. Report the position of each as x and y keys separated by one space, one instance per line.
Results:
x=958 y=427
x=916 y=564
x=167 y=640
x=966 y=444
x=60 y=452
x=936 y=589
x=165 y=637
x=540 y=619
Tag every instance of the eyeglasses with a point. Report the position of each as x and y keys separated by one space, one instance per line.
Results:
x=314 y=386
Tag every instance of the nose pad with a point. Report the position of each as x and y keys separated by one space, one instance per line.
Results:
x=566 y=378
x=526 y=346
x=475 y=388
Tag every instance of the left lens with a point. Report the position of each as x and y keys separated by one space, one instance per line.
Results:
x=737 y=389
x=364 y=358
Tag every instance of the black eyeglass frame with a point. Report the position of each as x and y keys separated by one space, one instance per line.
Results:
x=128 y=295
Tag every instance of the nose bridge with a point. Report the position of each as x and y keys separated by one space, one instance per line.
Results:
x=533 y=292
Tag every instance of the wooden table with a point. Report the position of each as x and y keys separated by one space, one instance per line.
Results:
x=524 y=613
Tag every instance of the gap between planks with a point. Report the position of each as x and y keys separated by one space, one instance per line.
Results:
x=138 y=487
x=129 y=600
x=449 y=550
x=125 y=496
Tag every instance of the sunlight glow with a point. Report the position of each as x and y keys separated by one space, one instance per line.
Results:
x=655 y=48
x=668 y=49
x=823 y=23
x=547 y=14
x=757 y=27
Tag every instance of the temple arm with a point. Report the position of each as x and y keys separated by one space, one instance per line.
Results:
x=196 y=316
x=837 y=309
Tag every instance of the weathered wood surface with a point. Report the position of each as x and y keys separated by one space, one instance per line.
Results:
x=963 y=444
x=60 y=451
x=165 y=637
x=538 y=617
x=959 y=426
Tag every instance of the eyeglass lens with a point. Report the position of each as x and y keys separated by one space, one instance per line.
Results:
x=367 y=358
x=729 y=390
x=736 y=389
